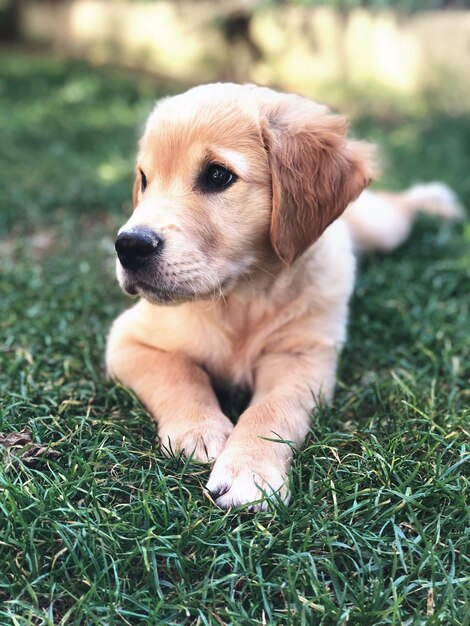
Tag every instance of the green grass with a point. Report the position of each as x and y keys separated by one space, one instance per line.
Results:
x=106 y=530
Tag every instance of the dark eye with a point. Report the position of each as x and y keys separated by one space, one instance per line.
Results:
x=218 y=177
x=143 y=181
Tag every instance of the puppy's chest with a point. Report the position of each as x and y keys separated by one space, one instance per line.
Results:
x=226 y=340
x=235 y=354
x=239 y=338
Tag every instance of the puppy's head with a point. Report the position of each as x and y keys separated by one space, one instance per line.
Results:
x=229 y=180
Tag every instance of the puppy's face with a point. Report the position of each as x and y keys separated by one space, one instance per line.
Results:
x=202 y=199
x=230 y=178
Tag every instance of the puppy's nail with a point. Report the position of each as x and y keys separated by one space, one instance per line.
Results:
x=216 y=493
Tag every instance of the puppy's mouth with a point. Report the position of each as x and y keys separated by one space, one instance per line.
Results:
x=161 y=294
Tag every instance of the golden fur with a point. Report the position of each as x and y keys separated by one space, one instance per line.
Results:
x=258 y=276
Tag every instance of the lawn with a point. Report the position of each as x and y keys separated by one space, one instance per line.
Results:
x=96 y=527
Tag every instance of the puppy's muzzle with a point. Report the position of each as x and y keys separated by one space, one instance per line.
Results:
x=136 y=247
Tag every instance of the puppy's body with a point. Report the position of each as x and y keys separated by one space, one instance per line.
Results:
x=249 y=281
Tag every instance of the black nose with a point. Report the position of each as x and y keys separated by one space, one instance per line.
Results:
x=135 y=247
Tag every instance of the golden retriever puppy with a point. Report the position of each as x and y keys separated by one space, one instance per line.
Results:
x=244 y=273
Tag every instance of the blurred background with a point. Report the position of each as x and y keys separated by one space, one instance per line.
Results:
x=380 y=51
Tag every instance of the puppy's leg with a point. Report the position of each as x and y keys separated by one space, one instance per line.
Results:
x=258 y=454
x=177 y=393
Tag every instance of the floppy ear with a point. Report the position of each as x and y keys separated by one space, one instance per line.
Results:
x=135 y=190
x=315 y=172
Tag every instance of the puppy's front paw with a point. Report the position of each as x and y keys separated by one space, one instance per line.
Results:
x=202 y=438
x=244 y=477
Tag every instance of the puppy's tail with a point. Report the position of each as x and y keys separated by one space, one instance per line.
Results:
x=435 y=199
x=380 y=220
